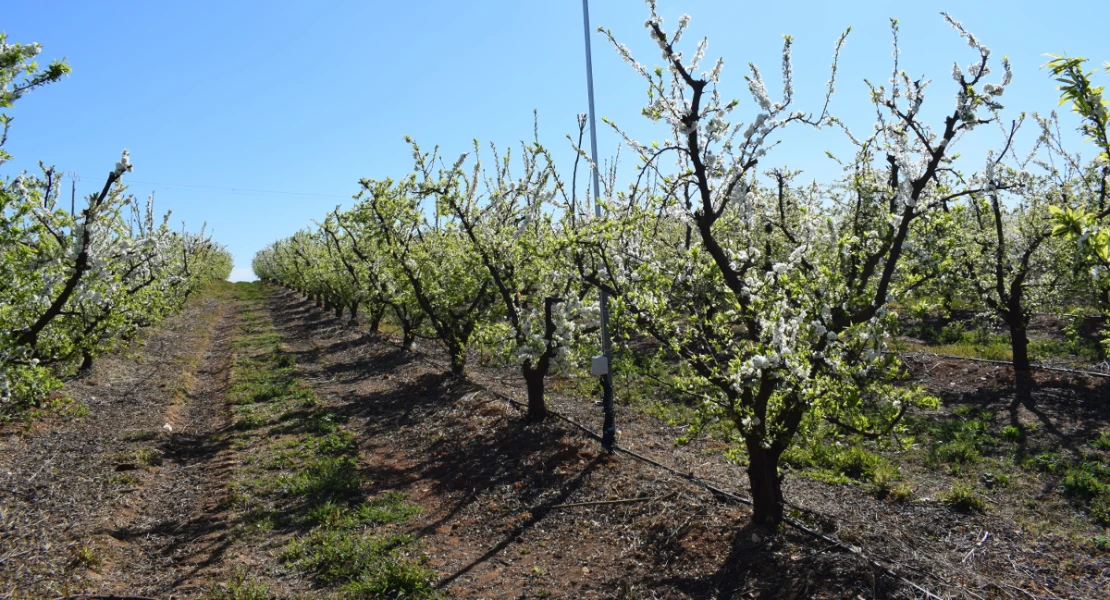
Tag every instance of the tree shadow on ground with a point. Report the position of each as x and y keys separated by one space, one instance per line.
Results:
x=446 y=437
x=782 y=566
x=1069 y=410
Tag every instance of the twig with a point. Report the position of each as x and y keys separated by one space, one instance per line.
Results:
x=1006 y=585
x=986 y=534
x=43 y=466
x=624 y=501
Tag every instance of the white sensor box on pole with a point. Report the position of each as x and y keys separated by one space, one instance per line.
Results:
x=599 y=365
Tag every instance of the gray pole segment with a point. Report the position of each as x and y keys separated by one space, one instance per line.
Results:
x=609 y=431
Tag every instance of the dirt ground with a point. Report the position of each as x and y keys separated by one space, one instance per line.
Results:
x=124 y=500
x=115 y=503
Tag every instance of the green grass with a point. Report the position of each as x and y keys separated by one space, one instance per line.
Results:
x=957 y=441
x=964 y=498
x=389 y=508
x=361 y=565
x=302 y=475
x=330 y=479
x=845 y=461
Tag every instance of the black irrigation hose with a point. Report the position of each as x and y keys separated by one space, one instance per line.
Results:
x=718 y=492
x=1003 y=362
x=96 y=597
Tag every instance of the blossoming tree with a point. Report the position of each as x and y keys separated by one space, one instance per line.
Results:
x=773 y=297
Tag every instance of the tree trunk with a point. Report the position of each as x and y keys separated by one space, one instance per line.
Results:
x=533 y=379
x=376 y=319
x=766 y=484
x=86 y=362
x=353 y=310
x=409 y=339
x=319 y=301
x=1023 y=370
x=338 y=310
x=458 y=361
x=534 y=374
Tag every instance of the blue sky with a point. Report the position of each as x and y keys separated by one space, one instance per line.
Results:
x=257 y=117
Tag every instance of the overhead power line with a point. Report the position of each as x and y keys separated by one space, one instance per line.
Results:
x=235 y=190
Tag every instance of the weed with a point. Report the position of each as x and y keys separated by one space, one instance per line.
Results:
x=993 y=480
x=258 y=520
x=958 y=451
x=277 y=462
x=147 y=456
x=836 y=462
x=122 y=479
x=960 y=440
x=389 y=508
x=1012 y=433
x=1049 y=462
x=1081 y=480
x=240 y=587
x=1102 y=442
x=87 y=556
x=964 y=499
x=75 y=410
x=1100 y=510
x=249 y=421
x=886 y=484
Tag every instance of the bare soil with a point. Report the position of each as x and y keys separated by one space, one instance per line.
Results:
x=124 y=500
x=493 y=486
x=511 y=509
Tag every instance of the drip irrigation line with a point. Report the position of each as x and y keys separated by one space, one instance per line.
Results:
x=690 y=477
x=708 y=486
x=1000 y=362
x=109 y=597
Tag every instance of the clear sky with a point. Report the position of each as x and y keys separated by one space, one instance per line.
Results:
x=257 y=117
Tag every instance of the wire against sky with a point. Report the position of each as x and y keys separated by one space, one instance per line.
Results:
x=235 y=190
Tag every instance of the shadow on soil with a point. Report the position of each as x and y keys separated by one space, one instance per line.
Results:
x=1069 y=411
x=544 y=464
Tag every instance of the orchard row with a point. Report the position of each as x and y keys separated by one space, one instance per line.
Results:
x=75 y=283
x=773 y=301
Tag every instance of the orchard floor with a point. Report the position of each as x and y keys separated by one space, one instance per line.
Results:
x=113 y=503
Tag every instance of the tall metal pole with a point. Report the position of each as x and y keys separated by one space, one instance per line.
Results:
x=609 y=429
x=73 y=177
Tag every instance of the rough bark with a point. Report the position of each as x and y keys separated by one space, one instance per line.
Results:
x=1023 y=369
x=533 y=379
x=765 y=483
x=458 y=360
x=86 y=362
x=376 y=319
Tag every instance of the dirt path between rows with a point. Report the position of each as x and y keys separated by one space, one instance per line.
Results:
x=126 y=499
